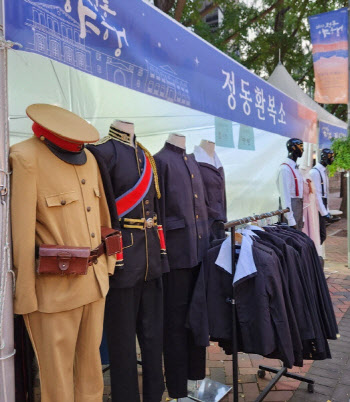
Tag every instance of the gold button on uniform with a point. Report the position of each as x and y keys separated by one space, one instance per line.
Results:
x=200 y=236
x=63 y=202
x=147 y=202
x=92 y=235
x=140 y=160
x=83 y=181
x=88 y=209
x=147 y=213
x=185 y=158
x=192 y=175
x=197 y=216
x=195 y=196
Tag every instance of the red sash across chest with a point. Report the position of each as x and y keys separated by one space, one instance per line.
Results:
x=129 y=200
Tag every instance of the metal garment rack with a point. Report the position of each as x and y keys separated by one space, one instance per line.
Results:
x=262 y=369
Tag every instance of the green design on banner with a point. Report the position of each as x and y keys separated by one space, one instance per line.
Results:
x=223 y=133
x=246 y=138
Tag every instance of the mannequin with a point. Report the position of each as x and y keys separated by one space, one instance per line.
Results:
x=178 y=140
x=131 y=184
x=213 y=177
x=209 y=147
x=185 y=218
x=125 y=130
x=64 y=205
x=290 y=184
x=318 y=175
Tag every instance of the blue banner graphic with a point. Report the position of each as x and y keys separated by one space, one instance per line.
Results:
x=133 y=44
x=329 y=37
x=327 y=132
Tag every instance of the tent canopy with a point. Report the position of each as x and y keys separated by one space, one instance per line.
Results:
x=282 y=80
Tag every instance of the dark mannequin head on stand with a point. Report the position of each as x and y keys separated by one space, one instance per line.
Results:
x=327 y=157
x=295 y=148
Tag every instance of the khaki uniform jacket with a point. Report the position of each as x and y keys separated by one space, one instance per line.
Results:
x=53 y=202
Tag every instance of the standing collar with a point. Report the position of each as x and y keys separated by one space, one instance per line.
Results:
x=122 y=136
x=320 y=167
x=290 y=162
x=174 y=148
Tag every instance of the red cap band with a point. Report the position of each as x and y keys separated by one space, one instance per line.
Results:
x=40 y=131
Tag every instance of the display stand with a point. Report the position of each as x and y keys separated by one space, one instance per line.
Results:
x=262 y=369
x=206 y=390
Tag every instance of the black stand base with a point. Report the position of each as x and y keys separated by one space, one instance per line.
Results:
x=279 y=373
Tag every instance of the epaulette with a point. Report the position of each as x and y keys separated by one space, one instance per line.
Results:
x=102 y=140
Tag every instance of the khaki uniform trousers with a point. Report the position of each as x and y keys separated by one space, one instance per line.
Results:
x=66 y=345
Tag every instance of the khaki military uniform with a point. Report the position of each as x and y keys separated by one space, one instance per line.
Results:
x=57 y=203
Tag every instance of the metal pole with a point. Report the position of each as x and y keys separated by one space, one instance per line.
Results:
x=234 y=327
x=348 y=178
x=7 y=375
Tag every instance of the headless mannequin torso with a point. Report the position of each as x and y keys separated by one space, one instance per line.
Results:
x=127 y=128
x=178 y=140
x=209 y=147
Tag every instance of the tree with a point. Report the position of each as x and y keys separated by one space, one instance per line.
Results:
x=259 y=36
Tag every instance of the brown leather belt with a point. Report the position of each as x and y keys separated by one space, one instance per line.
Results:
x=96 y=252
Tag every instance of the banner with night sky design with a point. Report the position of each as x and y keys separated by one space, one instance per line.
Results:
x=329 y=37
x=133 y=44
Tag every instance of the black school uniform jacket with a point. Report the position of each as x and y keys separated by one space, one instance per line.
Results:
x=183 y=207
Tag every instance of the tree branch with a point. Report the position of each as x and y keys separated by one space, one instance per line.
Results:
x=180 y=5
x=251 y=21
x=207 y=10
x=164 y=5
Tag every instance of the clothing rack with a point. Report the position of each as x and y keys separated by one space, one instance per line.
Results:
x=262 y=369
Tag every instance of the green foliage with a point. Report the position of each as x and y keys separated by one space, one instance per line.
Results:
x=341 y=148
x=255 y=37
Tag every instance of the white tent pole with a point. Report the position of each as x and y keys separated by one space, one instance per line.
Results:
x=7 y=375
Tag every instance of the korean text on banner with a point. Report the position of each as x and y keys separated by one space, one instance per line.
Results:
x=330 y=54
x=124 y=42
x=327 y=132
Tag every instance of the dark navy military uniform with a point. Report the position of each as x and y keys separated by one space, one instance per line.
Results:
x=185 y=220
x=134 y=303
x=213 y=177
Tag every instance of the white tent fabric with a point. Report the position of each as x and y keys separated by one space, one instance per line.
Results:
x=282 y=80
x=250 y=175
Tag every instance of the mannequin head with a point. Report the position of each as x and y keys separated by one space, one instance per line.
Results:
x=327 y=157
x=295 y=148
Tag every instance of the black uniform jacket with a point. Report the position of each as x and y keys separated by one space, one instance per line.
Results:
x=183 y=207
x=263 y=324
x=214 y=184
x=121 y=166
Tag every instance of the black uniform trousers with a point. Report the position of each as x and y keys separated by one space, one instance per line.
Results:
x=128 y=311
x=323 y=231
x=183 y=360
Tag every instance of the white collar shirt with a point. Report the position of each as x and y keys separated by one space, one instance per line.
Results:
x=287 y=186
x=318 y=175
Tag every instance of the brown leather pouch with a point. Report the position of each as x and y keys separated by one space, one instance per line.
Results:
x=63 y=260
x=112 y=239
